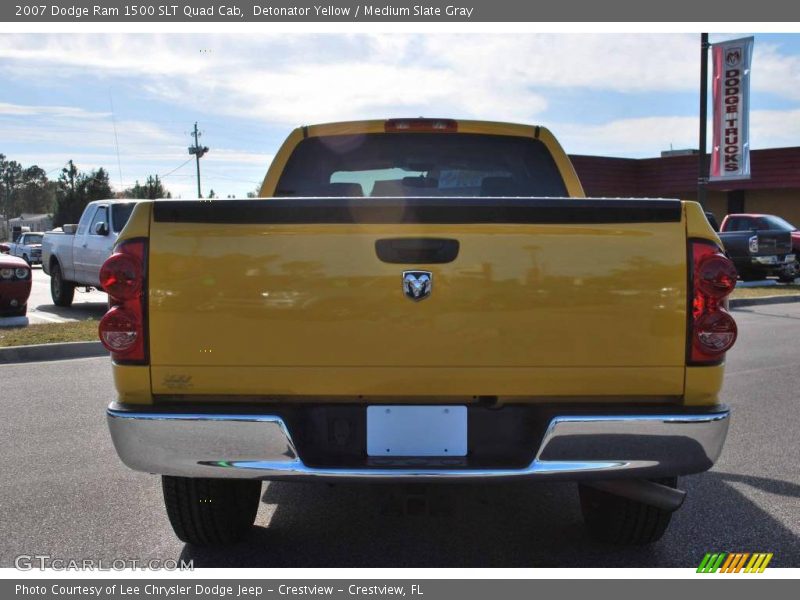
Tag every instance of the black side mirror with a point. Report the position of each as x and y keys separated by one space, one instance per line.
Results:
x=101 y=229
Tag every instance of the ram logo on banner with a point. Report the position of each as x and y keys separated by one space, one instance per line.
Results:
x=730 y=154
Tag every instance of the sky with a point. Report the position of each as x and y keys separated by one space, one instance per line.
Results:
x=127 y=102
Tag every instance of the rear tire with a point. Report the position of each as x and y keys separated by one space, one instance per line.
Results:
x=747 y=275
x=789 y=273
x=615 y=520
x=61 y=291
x=206 y=512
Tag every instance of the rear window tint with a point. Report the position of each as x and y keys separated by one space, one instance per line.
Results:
x=120 y=214
x=33 y=239
x=421 y=164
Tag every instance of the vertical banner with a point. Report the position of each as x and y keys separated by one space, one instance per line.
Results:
x=730 y=154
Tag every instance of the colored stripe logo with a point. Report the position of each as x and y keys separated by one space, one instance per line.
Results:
x=734 y=562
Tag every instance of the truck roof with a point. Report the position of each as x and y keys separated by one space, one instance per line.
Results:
x=117 y=201
x=422 y=124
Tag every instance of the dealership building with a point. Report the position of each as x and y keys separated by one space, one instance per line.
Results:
x=774 y=186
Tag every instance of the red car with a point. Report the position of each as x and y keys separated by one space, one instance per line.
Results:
x=15 y=286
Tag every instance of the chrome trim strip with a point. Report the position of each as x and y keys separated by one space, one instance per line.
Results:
x=573 y=447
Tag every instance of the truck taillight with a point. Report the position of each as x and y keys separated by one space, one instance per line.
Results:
x=121 y=276
x=123 y=328
x=715 y=275
x=712 y=330
x=420 y=125
x=119 y=330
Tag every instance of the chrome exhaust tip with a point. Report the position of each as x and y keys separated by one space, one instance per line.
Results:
x=641 y=490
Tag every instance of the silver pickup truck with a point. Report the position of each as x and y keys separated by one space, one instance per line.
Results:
x=73 y=257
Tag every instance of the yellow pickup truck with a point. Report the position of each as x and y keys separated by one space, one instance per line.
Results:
x=422 y=300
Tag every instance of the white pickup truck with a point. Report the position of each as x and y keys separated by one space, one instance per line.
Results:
x=28 y=247
x=73 y=257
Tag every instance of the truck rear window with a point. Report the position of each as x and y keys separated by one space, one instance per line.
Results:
x=421 y=164
x=120 y=215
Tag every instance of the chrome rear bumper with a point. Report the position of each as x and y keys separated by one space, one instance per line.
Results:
x=248 y=446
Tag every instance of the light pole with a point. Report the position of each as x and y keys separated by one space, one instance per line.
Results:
x=702 y=176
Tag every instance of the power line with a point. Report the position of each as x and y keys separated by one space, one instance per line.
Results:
x=180 y=166
x=216 y=175
x=56 y=169
x=116 y=139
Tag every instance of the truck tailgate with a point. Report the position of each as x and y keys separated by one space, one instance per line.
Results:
x=544 y=298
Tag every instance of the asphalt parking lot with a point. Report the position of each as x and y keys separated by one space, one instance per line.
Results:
x=64 y=492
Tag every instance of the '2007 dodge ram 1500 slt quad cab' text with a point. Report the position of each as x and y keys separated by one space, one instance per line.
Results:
x=419 y=300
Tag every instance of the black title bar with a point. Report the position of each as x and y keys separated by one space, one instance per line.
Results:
x=242 y=11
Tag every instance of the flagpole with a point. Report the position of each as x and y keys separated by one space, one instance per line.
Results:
x=702 y=175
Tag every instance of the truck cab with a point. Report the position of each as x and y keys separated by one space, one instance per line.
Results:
x=28 y=247
x=73 y=257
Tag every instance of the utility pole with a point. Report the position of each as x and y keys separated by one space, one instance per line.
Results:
x=7 y=211
x=71 y=172
x=702 y=176
x=198 y=152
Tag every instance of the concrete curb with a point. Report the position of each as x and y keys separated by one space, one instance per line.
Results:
x=742 y=302
x=45 y=352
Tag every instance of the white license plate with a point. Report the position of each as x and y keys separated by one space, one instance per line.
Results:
x=417 y=430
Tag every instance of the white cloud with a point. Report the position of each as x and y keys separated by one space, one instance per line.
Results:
x=597 y=61
x=310 y=78
x=239 y=157
x=71 y=126
x=288 y=80
x=775 y=128
x=639 y=137
x=775 y=72
x=60 y=112
x=297 y=79
x=100 y=54
x=643 y=137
